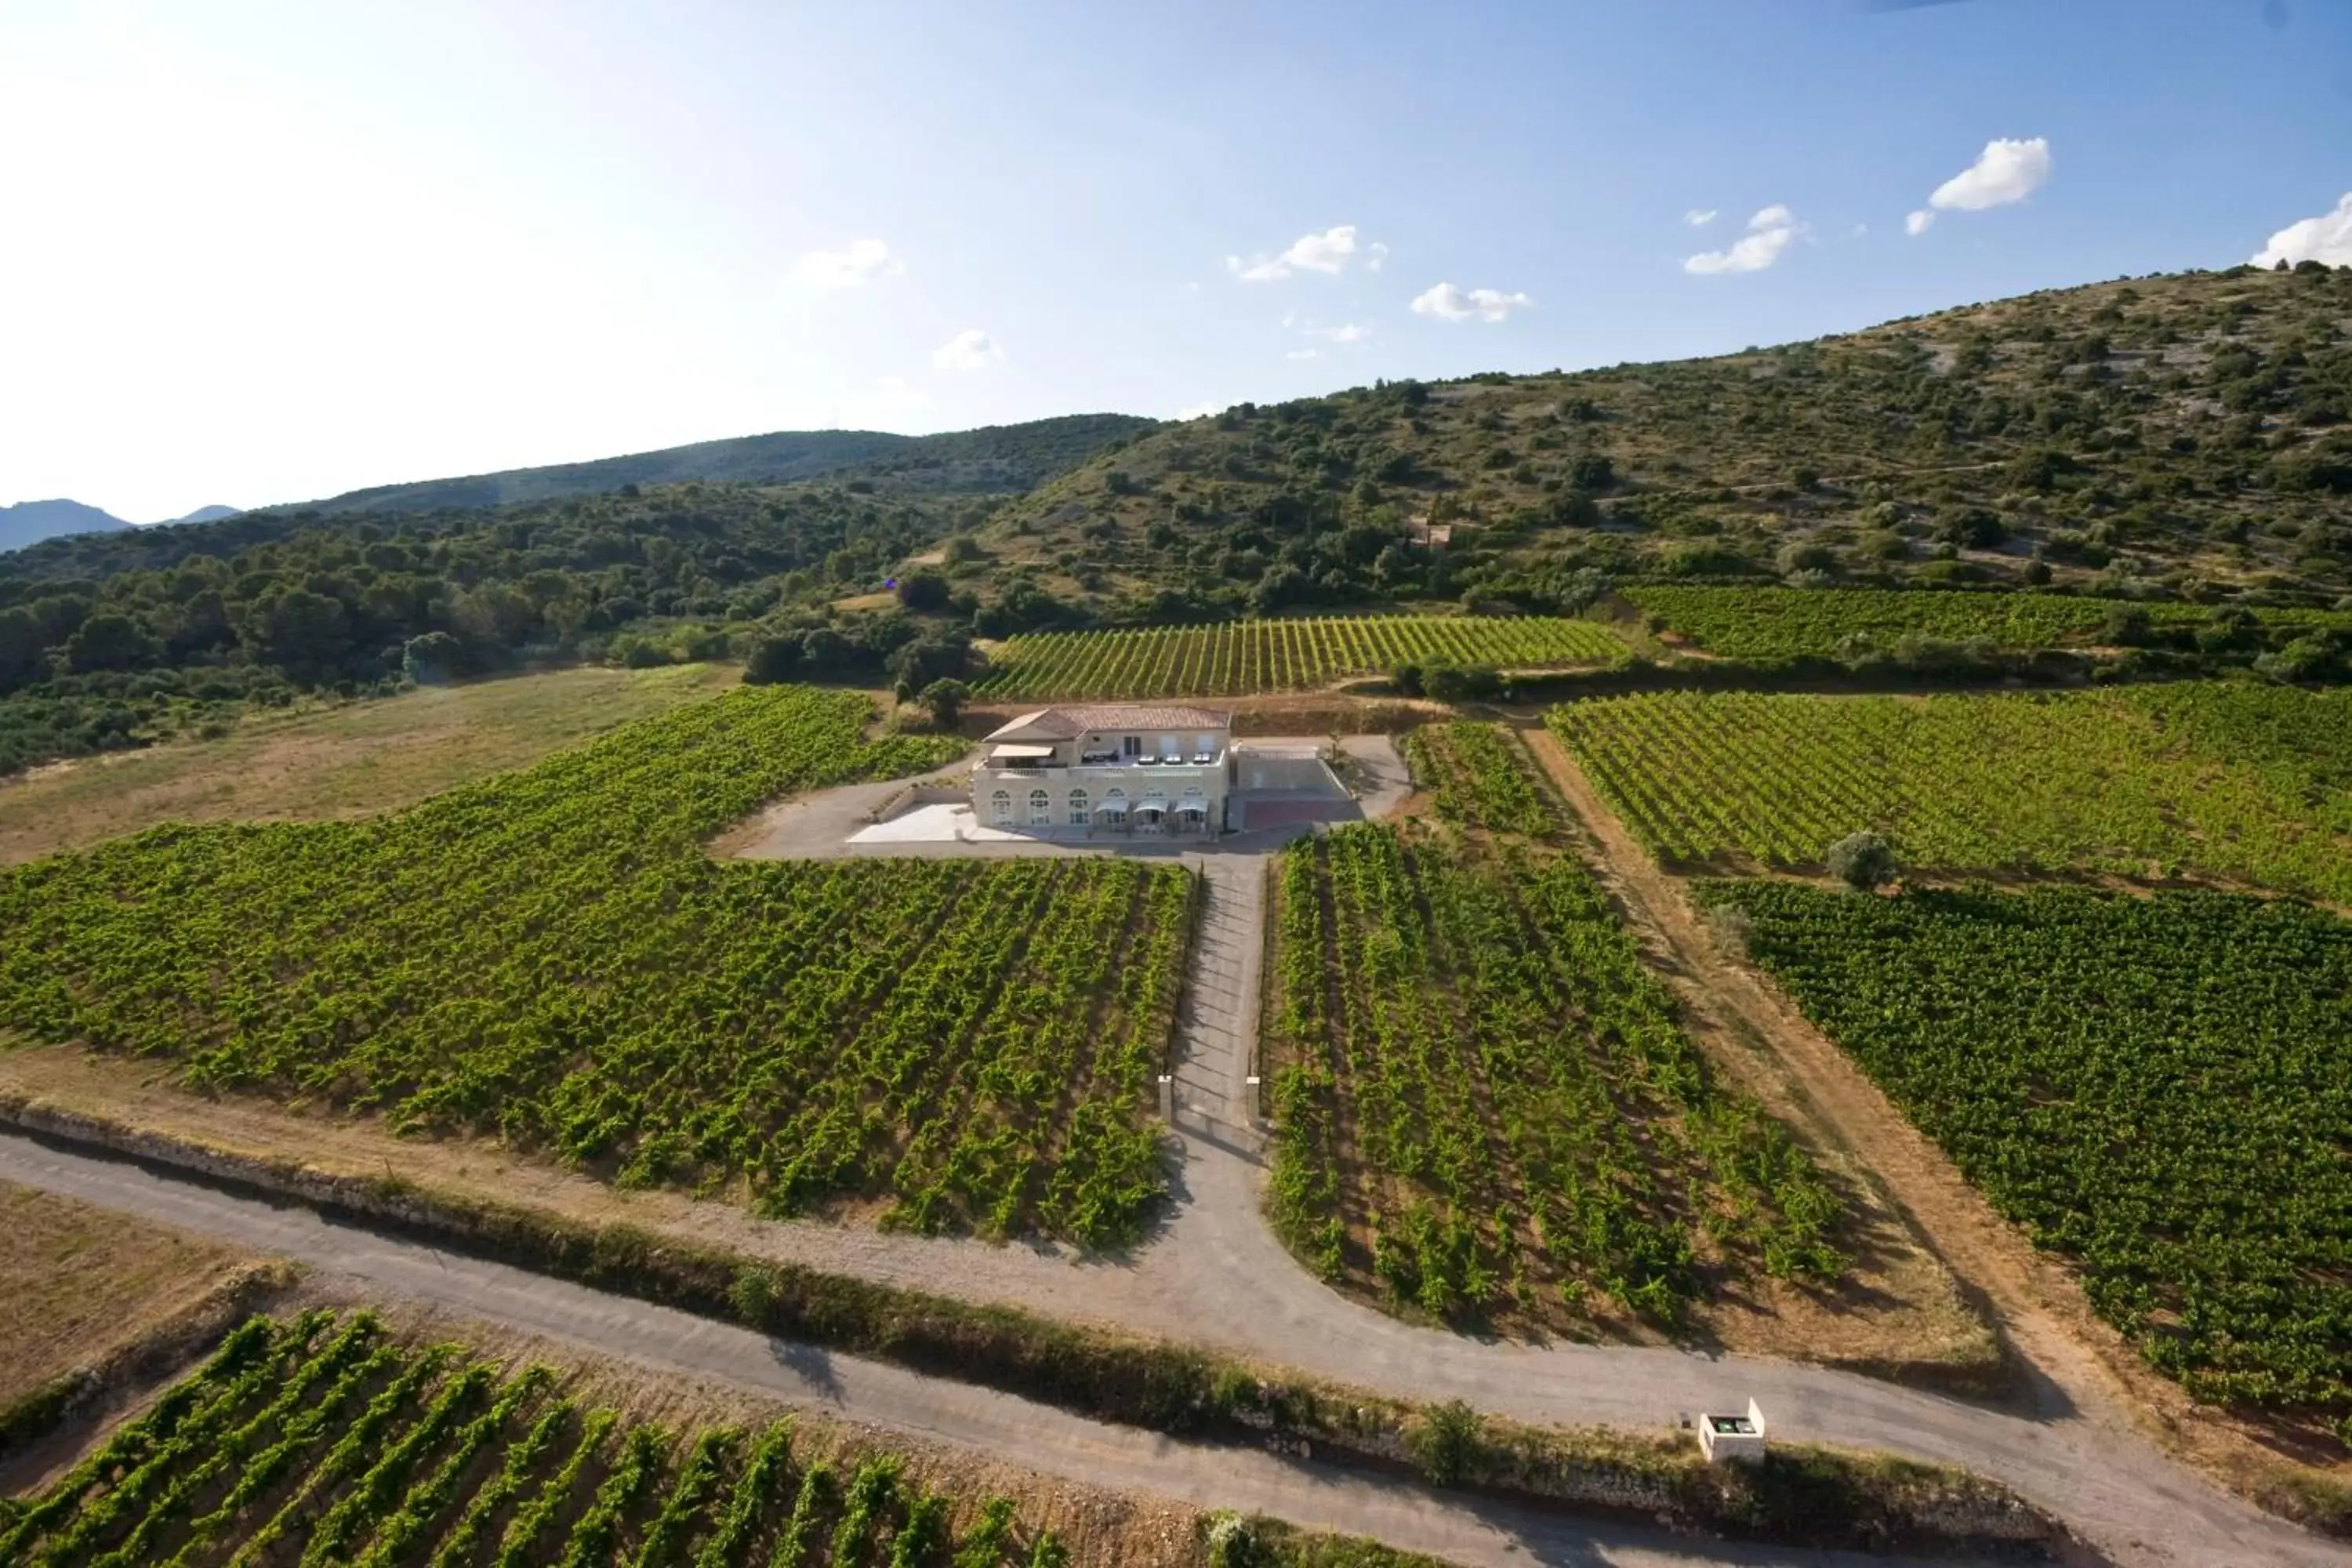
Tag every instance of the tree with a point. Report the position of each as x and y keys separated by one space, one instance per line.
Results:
x=432 y=658
x=21 y=647
x=1862 y=861
x=110 y=640
x=1460 y=682
x=917 y=664
x=2127 y=625
x=772 y=660
x=295 y=629
x=923 y=591
x=945 y=699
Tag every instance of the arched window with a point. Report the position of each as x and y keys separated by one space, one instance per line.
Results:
x=1003 y=804
x=1078 y=808
x=1041 y=809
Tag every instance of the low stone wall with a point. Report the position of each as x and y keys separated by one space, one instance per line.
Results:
x=916 y=795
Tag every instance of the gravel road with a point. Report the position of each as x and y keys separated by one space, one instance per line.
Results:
x=1465 y=1531
x=1216 y=1276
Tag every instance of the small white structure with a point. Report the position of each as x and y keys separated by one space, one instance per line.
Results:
x=1132 y=768
x=1725 y=1437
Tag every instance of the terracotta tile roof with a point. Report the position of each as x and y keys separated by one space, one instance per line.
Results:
x=1069 y=723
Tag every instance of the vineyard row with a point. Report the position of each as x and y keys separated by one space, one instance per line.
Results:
x=1244 y=657
x=551 y=957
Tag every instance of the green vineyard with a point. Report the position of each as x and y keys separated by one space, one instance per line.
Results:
x=1241 y=658
x=1769 y=624
x=2155 y=1088
x=1472 y=1057
x=551 y=957
x=325 y=1440
x=2242 y=781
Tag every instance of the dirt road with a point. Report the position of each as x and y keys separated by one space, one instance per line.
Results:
x=1465 y=1531
x=1216 y=1276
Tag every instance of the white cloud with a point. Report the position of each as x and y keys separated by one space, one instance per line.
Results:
x=1768 y=234
x=2327 y=237
x=1916 y=224
x=1345 y=332
x=1326 y=252
x=1304 y=353
x=1203 y=410
x=861 y=263
x=2005 y=172
x=1700 y=217
x=1448 y=303
x=1861 y=229
x=969 y=349
x=1374 y=255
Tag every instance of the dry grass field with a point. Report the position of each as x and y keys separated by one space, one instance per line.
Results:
x=77 y=1283
x=351 y=759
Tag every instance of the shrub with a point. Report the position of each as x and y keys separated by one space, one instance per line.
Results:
x=1862 y=861
x=772 y=660
x=923 y=591
x=1461 y=682
x=945 y=699
x=2127 y=625
x=1445 y=1442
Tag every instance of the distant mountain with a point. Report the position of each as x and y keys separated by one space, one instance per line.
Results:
x=207 y=514
x=995 y=460
x=29 y=522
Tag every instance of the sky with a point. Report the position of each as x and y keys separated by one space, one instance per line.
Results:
x=255 y=253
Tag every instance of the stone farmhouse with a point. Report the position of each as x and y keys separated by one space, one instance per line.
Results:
x=1139 y=768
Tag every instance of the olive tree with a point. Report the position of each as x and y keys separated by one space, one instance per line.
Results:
x=1862 y=861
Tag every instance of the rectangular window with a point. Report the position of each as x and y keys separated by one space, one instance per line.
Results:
x=1131 y=745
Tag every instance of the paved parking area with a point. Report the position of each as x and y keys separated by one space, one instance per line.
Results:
x=833 y=823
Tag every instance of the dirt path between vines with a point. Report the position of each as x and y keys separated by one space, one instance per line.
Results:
x=2074 y=1363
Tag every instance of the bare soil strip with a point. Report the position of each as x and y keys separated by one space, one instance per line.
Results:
x=2073 y=1364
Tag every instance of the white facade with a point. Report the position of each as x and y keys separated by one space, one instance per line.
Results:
x=1128 y=768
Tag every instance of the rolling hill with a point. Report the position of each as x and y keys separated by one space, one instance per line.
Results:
x=995 y=460
x=2180 y=438
x=2180 y=435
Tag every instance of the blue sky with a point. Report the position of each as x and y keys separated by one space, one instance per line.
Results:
x=260 y=252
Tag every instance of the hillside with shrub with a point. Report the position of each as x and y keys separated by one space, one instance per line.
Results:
x=996 y=459
x=2177 y=436
x=2165 y=441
